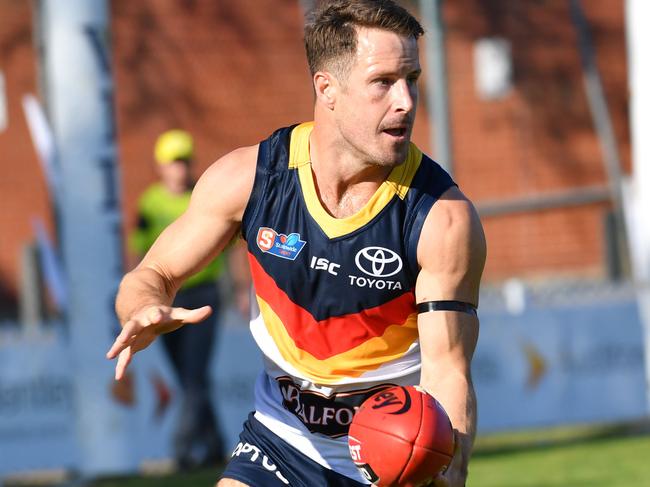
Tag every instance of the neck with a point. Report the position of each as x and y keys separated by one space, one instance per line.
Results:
x=344 y=181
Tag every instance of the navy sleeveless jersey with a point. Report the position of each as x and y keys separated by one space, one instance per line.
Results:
x=336 y=295
x=337 y=317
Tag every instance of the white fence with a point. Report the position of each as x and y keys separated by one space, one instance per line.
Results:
x=575 y=356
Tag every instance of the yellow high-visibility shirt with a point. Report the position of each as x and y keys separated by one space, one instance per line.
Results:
x=157 y=208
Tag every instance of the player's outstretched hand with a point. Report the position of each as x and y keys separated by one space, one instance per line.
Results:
x=144 y=326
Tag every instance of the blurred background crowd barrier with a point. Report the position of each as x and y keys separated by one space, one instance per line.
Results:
x=541 y=111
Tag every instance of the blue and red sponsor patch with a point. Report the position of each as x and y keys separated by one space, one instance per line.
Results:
x=279 y=244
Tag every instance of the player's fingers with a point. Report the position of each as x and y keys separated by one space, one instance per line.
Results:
x=124 y=339
x=123 y=361
x=191 y=315
x=155 y=315
x=121 y=342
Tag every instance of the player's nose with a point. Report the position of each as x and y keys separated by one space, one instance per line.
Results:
x=404 y=96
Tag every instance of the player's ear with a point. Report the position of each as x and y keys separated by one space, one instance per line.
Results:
x=325 y=87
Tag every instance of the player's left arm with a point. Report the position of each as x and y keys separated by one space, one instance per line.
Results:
x=451 y=254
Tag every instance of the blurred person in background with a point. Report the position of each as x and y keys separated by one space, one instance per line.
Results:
x=197 y=439
x=366 y=260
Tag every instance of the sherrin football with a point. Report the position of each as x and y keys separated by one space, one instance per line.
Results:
x=401 y=436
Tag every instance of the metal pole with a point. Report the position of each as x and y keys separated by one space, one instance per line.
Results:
x=637 y=16
x=307 y=6
x=436 y=74
x=80 y=100
x=31 y=295
x=603 y=124
x=544 y=201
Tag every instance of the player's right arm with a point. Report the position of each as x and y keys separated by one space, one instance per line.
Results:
x=213 y=218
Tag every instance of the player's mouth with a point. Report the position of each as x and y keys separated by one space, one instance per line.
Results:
x=399 y=133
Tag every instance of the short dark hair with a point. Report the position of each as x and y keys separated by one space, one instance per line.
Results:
x=330 y=30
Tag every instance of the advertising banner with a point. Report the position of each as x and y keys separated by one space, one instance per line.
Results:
x=37 y=404
x=541 y=367
x=559 y=365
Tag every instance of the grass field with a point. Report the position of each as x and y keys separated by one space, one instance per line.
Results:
x=567 y=457
x=597 y=462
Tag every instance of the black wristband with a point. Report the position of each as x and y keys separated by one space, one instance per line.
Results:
x=460 y=306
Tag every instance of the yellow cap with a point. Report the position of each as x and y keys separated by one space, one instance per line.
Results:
x=173 y=145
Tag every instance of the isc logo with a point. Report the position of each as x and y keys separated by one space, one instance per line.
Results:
x=322 y=264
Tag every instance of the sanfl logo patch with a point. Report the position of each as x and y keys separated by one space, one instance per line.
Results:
x=281 y=245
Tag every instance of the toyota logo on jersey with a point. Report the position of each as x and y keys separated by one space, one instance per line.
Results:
x=378 y=262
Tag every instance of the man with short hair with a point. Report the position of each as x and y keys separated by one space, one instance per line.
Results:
x=366 y=259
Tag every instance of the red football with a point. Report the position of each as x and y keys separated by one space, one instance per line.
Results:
x=401 y=436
